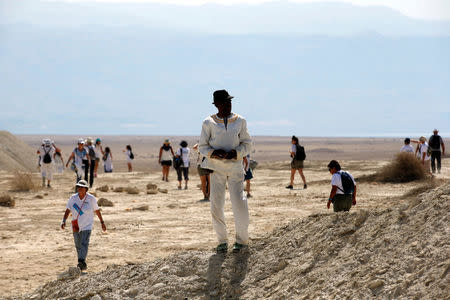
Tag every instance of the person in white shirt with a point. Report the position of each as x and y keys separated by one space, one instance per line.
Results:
x=184 y=153
x=98 y=153
x=79 y=155
x=424 y=158
x=407 y=147
x=343 y=188
x=224 y=142
x=130 y=157
x=47 y=157
x=165 y=159
x=107 y=161
x=82 y=205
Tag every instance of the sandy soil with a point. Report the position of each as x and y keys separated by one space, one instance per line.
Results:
x=34 y=250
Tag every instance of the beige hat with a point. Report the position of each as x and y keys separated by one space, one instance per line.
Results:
x=83 y=183
x=423 y=139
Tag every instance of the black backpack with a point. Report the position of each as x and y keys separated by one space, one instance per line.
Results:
x=178 y=161
x=347 y=183
x=92 y=155
x=434 y=142
x=131 y=155
x=47 y=158
x=300 y=153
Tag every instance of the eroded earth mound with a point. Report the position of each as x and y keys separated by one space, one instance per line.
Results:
x=401 y=252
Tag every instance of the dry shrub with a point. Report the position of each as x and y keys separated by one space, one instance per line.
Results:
x=23 y=182
x=7 y=200
x=405 y=167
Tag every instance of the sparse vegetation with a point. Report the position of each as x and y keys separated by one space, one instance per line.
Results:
x=403 y=168
x=23 y=182
x=7 y=200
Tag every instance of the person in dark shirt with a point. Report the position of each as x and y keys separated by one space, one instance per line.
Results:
x=435 y=142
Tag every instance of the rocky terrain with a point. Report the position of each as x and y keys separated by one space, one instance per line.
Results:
x=401 y=252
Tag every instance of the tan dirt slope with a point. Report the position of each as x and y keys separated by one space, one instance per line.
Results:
x=402 y=252
x=15 y=154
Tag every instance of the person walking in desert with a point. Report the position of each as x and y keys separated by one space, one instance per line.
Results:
x=82 y=205
x=298 y=157
x=47 y=157
x=343 y=188
x=224 y=142
x=165 y=159
x=435 y=143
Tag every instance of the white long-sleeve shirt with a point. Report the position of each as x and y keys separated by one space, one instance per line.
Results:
x=215 y=136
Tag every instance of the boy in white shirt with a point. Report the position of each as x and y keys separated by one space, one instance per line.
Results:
x=82 y=205
x=407 y=147
x=343 y=188
x=224 y=142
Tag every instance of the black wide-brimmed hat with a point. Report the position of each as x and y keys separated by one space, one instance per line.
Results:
x=221 y=95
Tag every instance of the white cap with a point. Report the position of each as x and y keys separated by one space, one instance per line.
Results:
x=80 y=141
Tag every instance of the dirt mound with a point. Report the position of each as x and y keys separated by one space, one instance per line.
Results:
x=401 y=252
x=15 y=155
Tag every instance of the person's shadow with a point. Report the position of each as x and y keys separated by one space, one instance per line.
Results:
x=238 y=273
x=214 y=276
x=227 y=285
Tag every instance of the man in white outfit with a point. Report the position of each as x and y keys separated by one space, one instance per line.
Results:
x=224 y=142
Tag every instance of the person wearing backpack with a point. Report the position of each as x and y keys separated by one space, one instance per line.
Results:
x=130 y=157
x=298 y=156
x=79 y=155
x=343 y=188
x=183 y=153
x=47 y=157
x=435 y=142
x=93 y=160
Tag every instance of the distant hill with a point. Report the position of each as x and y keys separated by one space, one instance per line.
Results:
x=15 y=154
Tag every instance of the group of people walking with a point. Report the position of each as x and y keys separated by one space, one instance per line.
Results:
x=222 y=160
x=85 y=160
x=428 y=152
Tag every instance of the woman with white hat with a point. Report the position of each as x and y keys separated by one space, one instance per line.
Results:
x=423 y=153
x=82 y=205
x=165 y=159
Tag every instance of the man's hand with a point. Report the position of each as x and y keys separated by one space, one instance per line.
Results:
x=103 y=226
x=354 y=201
x=219 y=154
x=328 y=204
x=63 y=224
x=231 y=155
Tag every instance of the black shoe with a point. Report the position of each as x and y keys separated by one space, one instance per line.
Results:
x=239 y=248
x=305 y=186
x=82 y=265
x=222 y=248
x=290 y=187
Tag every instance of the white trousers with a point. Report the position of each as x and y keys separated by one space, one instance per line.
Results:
x=47 y=171
x=238 y=202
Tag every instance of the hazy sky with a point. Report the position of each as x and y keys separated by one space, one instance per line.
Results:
x=422 y=9
x=293 y=68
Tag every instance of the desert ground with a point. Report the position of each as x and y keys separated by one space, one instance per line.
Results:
x=34 y=250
